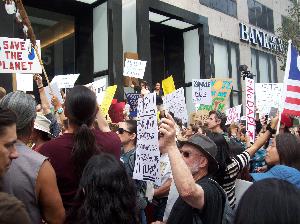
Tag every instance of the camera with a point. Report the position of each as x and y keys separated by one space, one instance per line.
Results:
x=245 y=73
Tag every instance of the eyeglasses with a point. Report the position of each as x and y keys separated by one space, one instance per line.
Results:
x=122 y=130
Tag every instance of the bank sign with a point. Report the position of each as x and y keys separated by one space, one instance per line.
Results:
x=257 y=37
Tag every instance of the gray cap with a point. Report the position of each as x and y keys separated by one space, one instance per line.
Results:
x=208 y=148
x=22 y=104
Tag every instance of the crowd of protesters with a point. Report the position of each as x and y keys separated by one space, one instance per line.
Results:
x=70 y=165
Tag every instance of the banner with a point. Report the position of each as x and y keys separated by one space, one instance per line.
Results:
x=132 y=100
x=268 y=95
x=175 y=103
x=250 y=109
x=202 y=91
x=17 y=56
x=98 y=87
x=134 y=68
x=108 y=97
x=24 y=82
x=233 y=114
x=168 y=85
x=147 y=164
x=65 y=81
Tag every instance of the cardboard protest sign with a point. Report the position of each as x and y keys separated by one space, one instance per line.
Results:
x=56 y=92
x=134 y=68
x=201 y=91
x=65 y=81
x=175 y=103
x=24 y=82
x=220 y=92
x=268 y=95
x=18 y=56
x=98 y=87
x=147 y=165
x=197 y=117
x=108 y=97
x=168 y=85
x=233 y=114
x=132 y=99
x=250 y=109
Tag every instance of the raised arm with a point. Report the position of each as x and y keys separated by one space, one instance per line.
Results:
x=44 y=100
x=102 y=123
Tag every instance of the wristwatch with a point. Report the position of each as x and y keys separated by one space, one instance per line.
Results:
x=270 y=129
x=60 y=110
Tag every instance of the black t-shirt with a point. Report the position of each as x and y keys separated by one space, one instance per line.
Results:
x=212 y=212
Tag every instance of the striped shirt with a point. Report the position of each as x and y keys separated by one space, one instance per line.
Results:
x=231 y=173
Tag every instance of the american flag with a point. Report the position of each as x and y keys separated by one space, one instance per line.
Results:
x=292 y=82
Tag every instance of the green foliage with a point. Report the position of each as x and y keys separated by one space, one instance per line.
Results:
x=290 y=30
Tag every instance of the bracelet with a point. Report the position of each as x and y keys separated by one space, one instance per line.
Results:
x=271 y=130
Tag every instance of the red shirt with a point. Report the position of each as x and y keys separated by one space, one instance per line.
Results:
x=59 y=153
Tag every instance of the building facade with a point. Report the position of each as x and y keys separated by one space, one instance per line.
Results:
x=184 y=38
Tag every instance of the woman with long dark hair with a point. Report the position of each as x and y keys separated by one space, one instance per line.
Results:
x=70 y=152
x=106 y=193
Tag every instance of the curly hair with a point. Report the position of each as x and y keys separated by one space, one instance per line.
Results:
x=106 y=193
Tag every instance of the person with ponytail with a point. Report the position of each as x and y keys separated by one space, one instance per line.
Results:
x=70 y=152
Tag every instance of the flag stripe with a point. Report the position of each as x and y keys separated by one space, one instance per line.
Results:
x=293 y=82
x=291 y=112
x=293 y=95
x=292 y=100
x=293 y=88
x=290 y=106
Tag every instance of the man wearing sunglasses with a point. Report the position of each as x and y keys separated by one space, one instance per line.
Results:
x=127 y=133
x=201 y=200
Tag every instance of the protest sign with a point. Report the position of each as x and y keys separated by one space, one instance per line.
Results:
x=18 y=56
x=108 y=97
x=250 y=109
x=134 y=68
x=56 y=92
x=202 y=91
x=132 y=100
x=168 y=85
x=98 y=87
x=233 y=114
x=175 y=103
x=220 y=91
x=24 y=82
x=147 y=152
x=65 y=81
x=268 y=95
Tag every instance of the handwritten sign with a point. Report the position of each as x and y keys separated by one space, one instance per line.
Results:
x=56 y=92
x=24 y=82
x=250 y=109
x=233 y=114
x=132 y=99
x=175 y=103
x=147 y=151
x=108 y=97
x=99 y=88
x=134 y=68
x=17 y=56
x=168 y=85
x=65 y=81
x=268 y=95
x=202 y=91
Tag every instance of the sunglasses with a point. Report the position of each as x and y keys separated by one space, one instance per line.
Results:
x=122 y=130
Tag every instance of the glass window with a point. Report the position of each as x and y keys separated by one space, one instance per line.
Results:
x=221 y=60
x=260 y=15
x=226 y=6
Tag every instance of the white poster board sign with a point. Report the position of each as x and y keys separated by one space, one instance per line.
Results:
x=17 y=56
x=201 y=91
x=250 y=109
x=99 y=88
x=56 y=92
x=24 y=82
x=65 y=81
x=134 y=68
x=175 y=103
x=233 y=114
x=147 y=165
x=268 y=95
